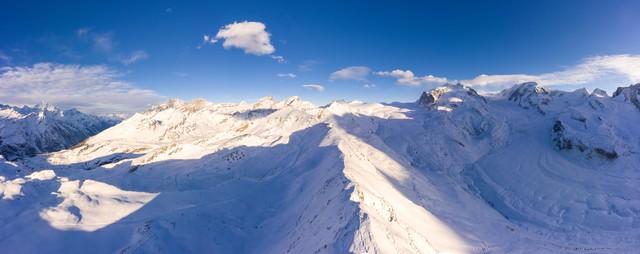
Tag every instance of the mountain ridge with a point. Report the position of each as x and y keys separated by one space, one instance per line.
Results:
x=455 y=172
x=27 y=131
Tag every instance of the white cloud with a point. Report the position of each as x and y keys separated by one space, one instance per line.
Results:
x=249 y=36
x=359 y=73
x=207 y=39
x=369 y=85
x=286 y=75
x=315 y=87
x=279 y=59
x=406 y=77
x=133 y=57
x=93 y=89
x=622 y=67
x=609 y=68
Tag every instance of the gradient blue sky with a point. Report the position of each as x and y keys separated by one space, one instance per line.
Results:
x=158 y=46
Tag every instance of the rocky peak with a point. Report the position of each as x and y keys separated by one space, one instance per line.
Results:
x=629 y=94
x=432 y=96
x=449 y=96
x=599 y=93
x=528 y=95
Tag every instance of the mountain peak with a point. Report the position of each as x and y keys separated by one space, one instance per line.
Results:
x=27 y=130
x=629 y=94
x=528 y=95
x=449 y=96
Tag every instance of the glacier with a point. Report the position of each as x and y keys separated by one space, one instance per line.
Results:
x=526 y=170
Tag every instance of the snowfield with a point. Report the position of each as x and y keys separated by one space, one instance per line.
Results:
x=527 y=170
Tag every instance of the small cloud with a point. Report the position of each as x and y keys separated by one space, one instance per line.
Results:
x=369 y=85
x=5 y=58
x=359 y=73
x=248 y=36
x=286 y=75
x=406 y=77
x=279 y=59
x=168 y=10
x=315 y=87
x=103 y=42
x=82 y=32
x=133 y=57
x=207 y=39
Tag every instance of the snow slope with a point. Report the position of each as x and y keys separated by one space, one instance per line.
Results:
x=27 y=131
x=528 y=170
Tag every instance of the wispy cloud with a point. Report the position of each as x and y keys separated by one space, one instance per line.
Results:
x=135 y=56
x=625 y=68
x=93 y=89
x=181 y=74
x=308 y=65
x=279 y=59
x=359 y=73
x=103 y=41
x=82 y=32
x=315 y=87
x=4 y=58
x=286 y=75
x=407 y=78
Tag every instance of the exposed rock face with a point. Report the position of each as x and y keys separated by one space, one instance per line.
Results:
x=528 y=95
x=450 y=96
x=630 y=94
x=432 y=96
x=26 y=131
x=564 y=140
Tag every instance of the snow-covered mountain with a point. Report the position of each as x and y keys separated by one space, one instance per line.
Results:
x=26 y=131
x=527 y=170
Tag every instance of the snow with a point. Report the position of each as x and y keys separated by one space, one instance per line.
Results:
x=455 y=172
x=42 y=175
x=26 y=131
x=92 y=205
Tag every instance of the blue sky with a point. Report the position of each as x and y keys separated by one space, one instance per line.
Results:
x=139 y=53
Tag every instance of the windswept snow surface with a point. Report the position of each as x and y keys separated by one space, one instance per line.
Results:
x=528 y=170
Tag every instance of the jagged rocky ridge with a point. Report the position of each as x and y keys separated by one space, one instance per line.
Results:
x=456 y=172
x=27 y=131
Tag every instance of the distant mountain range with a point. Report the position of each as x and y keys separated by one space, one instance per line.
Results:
x=526 y=170
x=27 y=131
